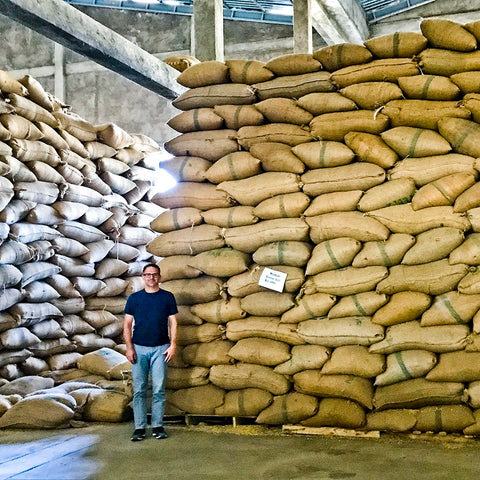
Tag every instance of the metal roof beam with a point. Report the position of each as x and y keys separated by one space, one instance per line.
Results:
x=73 y=29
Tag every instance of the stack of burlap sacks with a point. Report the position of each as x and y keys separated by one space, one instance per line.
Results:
x=354 y=171
x=75 y=220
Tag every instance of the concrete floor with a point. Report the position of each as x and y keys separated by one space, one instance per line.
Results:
x=105 y=452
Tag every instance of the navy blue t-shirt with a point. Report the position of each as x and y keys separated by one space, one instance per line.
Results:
x=151 y=312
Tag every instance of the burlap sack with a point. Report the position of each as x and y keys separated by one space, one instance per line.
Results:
x=208 y=354
x=468 y=199
x=277 y=157
x=304 y=357
x=307 y=307
x=433 y=245
x=338 y=332
x=429 y=87
x=263 y=327
x=237 y=116
x=230 y=217
x=371 y=148
x=244 y=375
x=250 y=238
x=398 y=44
x=209 y=97
x=284 y=252
x=402 y=307
x=328 y=102
x=428 y=169
x=176 y=219
x=244 y=402
x=456 y=367
x=415 y=142
x=405 y=365
x=393 y=192
x=342 y=55
x=204 y=74
x=282 y=206
x=356 y=176
x=417 y=393
x=268 y=304
x=332 y=254
x=464 y=134
x=221 y=262
x=243 y=71
x=403 y=219
x=393 y=420
x=371 y=95
x=313 y=382
x=273 y=132
x=383 y=70
x=468 y=252
x=261 y=351
x=337 y=412
x=334 y=126
x=443 y=191
x=191 y=194
x=443 y=33
x=220 y=311
x=283 y=110
x=334 y=202
x=354 y=360
x=364 y=304
x=187 y=168
x=251 y=191
x=444 y=418
x=195 y=290
x=289 y=408
x=234 y=166
x=346 y=224
x=432 y=278
x=197 y=400
x=293 y=64
x=323 y=154
x=412 y=336
x=294 y=86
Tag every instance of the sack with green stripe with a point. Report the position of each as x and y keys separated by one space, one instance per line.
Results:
x=176 y=219
x=290 y=408
x=429 y=87
x=323 y=154
x=234 y=166
x=332 y=254
x=451 y=308
x=398 y=44
x=405 y=365
x=415 y=142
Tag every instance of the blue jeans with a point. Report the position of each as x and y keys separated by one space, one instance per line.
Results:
x=149 y=360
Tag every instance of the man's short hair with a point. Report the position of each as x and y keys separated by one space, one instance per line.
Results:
x=149 y=265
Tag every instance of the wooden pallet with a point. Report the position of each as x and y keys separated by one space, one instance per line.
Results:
x=192 y=419
x=329 y=431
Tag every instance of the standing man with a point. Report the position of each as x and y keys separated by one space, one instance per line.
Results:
x=150 y=333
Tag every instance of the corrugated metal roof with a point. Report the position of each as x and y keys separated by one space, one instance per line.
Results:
x=269 y=11
x=378 y=9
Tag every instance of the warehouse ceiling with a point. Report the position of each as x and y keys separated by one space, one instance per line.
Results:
x=268 y=11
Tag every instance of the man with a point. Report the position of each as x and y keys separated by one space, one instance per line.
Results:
x=150 y=333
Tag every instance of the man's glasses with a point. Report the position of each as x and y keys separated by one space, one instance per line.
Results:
x=150 y=275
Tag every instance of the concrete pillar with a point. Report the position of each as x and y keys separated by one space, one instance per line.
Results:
x=207 y=35
x=59 y=76
x=302 y=27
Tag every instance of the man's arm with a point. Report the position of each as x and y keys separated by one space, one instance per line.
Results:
x=127 y=336
x=172 y=331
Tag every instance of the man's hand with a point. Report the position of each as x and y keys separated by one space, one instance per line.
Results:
x=131 y=355
x=170 y=352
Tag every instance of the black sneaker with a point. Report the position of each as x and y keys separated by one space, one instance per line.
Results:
x=159 y=432
x=138 y=435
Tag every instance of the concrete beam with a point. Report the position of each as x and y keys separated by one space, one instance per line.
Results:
x=207 y=34
x=71 y=28
x=302 y=26
x=339 y=21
